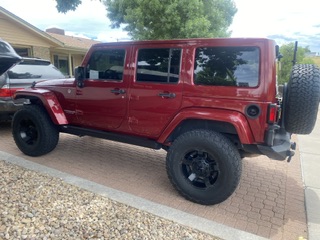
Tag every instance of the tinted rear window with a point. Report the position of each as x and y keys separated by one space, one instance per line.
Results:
x=32 y=71
x=227 y=66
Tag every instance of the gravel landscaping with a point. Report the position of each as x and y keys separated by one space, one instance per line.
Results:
x=38 y=206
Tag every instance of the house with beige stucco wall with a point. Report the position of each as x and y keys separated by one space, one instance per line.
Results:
x=65 y=52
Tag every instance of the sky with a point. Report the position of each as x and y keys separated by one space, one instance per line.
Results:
x=282 y=20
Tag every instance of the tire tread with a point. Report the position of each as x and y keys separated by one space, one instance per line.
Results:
x=225 y=147
x=302 y=99
x=49 y=132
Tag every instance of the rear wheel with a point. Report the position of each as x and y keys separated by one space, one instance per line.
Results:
x=204 y=166
x=302 y=99
x=33 y=131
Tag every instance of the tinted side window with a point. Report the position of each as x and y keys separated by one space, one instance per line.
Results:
x=227 y=66
x=106 y=64
x=159 y=65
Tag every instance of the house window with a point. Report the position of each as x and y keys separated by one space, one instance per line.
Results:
x=62 y=63
x=23 y=52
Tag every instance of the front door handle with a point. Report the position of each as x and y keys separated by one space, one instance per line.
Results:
x=118 y=91
x=79 y=92
x=167 y=95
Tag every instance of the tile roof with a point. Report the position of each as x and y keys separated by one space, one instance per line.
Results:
x=74 y=42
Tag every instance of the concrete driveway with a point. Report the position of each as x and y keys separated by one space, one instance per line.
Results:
x=269 y=201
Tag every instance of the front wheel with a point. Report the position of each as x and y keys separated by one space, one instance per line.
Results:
x=33 y=131
x=204 y=166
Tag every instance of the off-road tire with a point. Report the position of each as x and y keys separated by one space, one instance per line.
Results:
x=209 y=148
x=33 y=131
x=302 y=99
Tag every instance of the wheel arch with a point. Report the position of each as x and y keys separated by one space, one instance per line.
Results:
x=48 y=100
x=224 y=128
x=232 y=124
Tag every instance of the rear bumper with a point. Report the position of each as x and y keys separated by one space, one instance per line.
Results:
x=8 y=107
x=277 y=144
x=279 y=151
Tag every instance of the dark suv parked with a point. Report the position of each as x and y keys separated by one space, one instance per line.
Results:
x=20 y=76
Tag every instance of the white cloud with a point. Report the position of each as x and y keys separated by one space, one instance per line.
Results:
x=90 y=18
x=288 y=20
x=76 y=34
x=44 y=12
x=113 y=36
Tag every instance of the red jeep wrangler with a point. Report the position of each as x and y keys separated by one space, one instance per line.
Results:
x=208 y=102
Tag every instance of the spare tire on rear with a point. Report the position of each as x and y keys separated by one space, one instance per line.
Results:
x=301 y=100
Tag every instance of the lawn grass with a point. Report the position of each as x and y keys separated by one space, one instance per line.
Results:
x=316 y=60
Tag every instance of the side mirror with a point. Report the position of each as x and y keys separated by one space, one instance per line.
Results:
x=79 y=76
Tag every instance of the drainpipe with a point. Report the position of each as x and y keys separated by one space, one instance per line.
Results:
x=70 y=65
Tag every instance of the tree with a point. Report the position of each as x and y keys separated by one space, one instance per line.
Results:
x=64 y=6
x=167 y=19
x=287 y=50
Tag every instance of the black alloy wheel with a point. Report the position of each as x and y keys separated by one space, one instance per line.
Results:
x=33 y=131
x=204 y=166
x=28 y=132
x=200 y=169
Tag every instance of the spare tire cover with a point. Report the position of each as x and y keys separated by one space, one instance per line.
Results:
x=302 y=99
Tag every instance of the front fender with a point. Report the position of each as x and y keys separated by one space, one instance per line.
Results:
x=49 y=101
x=237 y=119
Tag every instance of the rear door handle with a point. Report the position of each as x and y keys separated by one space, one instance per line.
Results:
x=167 y=95
x=118 y=91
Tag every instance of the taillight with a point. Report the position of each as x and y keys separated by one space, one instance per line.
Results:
x=6 y=92
x=272 y=113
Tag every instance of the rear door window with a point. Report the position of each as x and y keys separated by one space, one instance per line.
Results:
x=227 y=66
x=158 y=65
